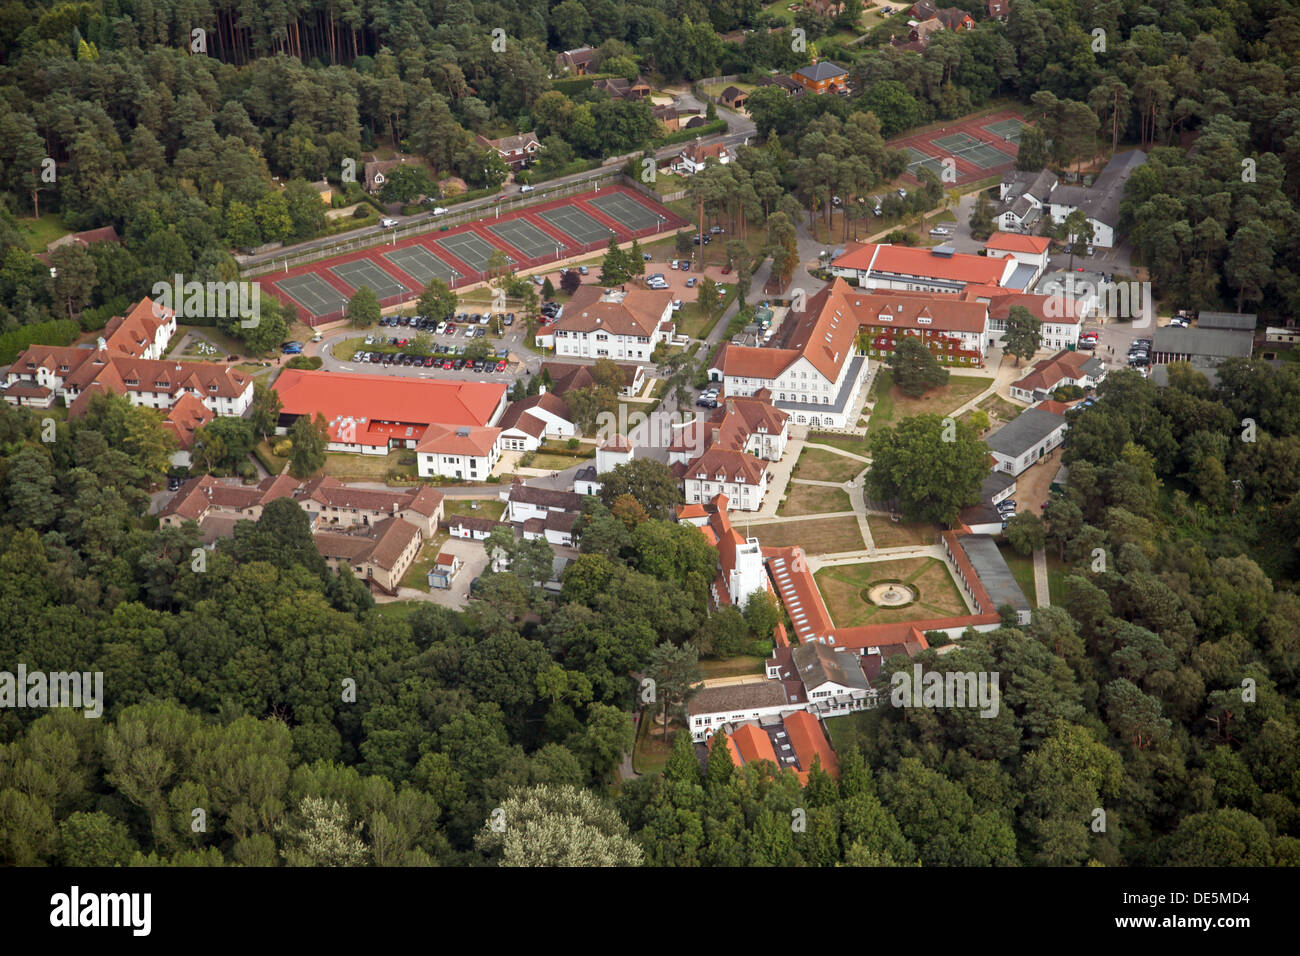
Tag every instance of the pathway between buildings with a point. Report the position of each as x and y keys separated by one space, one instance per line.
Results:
x=1042 y=592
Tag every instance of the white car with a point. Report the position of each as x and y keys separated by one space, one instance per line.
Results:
x=442 y=328
x=388 y=223
x=677 y=304
x=439 y=211
x=526 y=189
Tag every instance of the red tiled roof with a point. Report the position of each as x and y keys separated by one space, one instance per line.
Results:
x=380 y=407
x=905 y=260
x=809 y=741
x=945 y=312
x=476 y=442
x=1014 y=242
x=185 y=415
x=746 y=744
x=639 y=312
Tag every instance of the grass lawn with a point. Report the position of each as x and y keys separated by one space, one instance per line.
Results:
x=226 y=345
x=39 y=233
x=814 y=535
x=892 y=405
x=817 y=465
x=732 y=667
x=842 y=585
x=395 y=609
x=814 y=499
x=1022 y=568
x=652 y=751
x=556 y=462
x=853 y=445
x=487 y=508
x=1057 y=572
x=349 y=467
x=1000 y=409
x=417 y=575
x=898 y=534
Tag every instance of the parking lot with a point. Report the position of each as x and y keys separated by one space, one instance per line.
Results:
x=387 y=348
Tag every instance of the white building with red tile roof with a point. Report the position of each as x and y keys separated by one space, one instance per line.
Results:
x=372 y=414
x=881 y=266
x=460 y=451
x=624 y=324
x=729 y=453
x=76 y=372
x=816 y=375
x=530 y=420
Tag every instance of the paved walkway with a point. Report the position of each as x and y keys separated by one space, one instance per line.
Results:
x=1042 y=593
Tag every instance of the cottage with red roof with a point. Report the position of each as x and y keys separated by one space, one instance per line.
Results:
x=696 y=156
x=184 y=418
x=1063 y=368
x=530 y=420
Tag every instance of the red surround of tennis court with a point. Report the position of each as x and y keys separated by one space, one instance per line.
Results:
x=967 y=172
x=569 y=248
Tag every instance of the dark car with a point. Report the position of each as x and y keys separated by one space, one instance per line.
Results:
x=458 y=364
x=173 y=484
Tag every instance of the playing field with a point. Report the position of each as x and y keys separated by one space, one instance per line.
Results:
x=421 y=264
x=576 y=224
x=626 y=211
x=361 y=272
x=471 y=249
x=313 y=293
x=525 y=237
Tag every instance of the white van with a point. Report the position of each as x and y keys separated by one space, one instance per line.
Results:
x=388 y=223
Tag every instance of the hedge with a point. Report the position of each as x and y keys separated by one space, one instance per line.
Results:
x=58 y=332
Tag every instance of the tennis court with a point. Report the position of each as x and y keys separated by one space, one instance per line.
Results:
x=421 y=264
x=919 y=159
x=955 y=142
x=576 y=224
x=361 y=272
x=525 y=237
x=1007 y=129
x=626 y=211
x=473 y=250
x=313 y=293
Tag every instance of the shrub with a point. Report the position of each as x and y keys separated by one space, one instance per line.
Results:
x=573 y=443
x=305 y=362
x=282 y=449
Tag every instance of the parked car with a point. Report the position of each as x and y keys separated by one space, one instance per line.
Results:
x=583 y=270
x=716 y=230
x=526 y=188
x=501 y=366
x=457 y=365
x=509 y=319
x=690 y=283
x=388 y=223
x=439 y=211
x=173 y=484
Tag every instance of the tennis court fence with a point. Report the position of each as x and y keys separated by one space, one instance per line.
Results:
x=523 y=264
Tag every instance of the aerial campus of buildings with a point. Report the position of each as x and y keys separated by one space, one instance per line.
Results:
x=634 y=411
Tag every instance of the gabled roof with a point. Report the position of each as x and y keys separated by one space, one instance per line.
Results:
x=547 y=401
x=635 y=312
x=1014 y=242
x=809 y=740
x=185 y=415
x=819 y=664
x=1024 y=432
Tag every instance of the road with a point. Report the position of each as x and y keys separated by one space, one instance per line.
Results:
x=740 y=129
